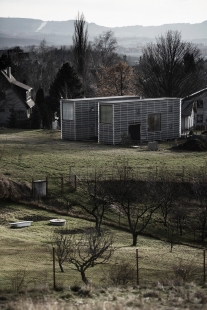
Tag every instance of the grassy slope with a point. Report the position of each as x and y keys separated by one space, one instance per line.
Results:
x=27 y=154
x=29 y=249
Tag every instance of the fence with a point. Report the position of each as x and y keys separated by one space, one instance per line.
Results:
x=57 y=185
x=35 y=267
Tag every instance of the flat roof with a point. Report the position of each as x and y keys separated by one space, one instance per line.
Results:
x=100 y=98
x=140 y=100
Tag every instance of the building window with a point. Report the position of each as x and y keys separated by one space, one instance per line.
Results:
x=106 y=113
x=68 y=111
x=200 y=119
x=200 y=104
x=154 y=122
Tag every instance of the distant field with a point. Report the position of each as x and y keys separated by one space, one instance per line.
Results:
x=27 y=154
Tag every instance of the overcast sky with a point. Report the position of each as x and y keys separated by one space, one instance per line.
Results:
x=109 y=13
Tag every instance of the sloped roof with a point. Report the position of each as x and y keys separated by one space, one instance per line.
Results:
x=198 y=93
x=19 y=84
x=30 y=103
x=186 y=108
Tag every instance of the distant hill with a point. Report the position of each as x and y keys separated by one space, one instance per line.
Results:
x=25 y=31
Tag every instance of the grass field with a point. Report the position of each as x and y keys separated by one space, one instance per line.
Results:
x=26 y=254
x=37 y=153
x=29 y=249
x=26 y=280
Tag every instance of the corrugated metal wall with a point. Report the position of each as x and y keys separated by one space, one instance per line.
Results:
x=136 y=112
x=85 y=124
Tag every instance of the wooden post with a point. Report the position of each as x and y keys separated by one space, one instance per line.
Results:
x=75 y=182
x=32 y=187
x=183 y=173
x=46 y=185
x=204 y=266
x=137 y=264
x=53 y=255
x=62 y=186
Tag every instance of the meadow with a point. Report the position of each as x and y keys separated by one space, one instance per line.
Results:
x=26 y=254
x=37 y=153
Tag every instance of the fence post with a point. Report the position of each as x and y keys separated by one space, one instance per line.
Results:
x=75 y=182
x=183 y=174
x=204 y=266
x=46 y=185
x=62 y=186
x=137 y=264
x=53 y=255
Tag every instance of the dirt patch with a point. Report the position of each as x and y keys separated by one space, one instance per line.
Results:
x=12 y=190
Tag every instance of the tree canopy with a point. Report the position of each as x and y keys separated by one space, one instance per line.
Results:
x=117 y=80
x=170 y=68
x=66 y=84
x=104 y=50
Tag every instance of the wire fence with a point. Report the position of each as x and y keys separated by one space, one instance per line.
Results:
x=36 y=267
x=57 y=185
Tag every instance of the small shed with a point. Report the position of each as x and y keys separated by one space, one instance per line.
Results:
x=142 y=119
x=79 y=117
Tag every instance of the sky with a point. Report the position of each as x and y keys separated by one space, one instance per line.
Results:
x=110 y=13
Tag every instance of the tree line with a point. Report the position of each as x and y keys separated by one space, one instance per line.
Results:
x=168 y=68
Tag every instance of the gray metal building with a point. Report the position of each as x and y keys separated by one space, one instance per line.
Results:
x=108 y=118
x=143 y=119
x=79 y=117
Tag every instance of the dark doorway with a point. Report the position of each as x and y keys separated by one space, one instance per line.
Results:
x=134 y=132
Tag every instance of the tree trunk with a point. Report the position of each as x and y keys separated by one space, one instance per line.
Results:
x=61 y=267
x=85 y=280
x=135 y=236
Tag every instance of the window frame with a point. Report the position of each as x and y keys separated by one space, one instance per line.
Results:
x=103 y=118
x=154 y=126
x=68 y=114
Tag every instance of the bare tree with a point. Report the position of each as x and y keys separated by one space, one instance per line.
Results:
x=171 y=68
x=117 y=80
x=90 y=250
x=104 y=50
x=62 y=244
x=97 y=199
x=131 y=197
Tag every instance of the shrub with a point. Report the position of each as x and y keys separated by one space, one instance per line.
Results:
x=122 y=273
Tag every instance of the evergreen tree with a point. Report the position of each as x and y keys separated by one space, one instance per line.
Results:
x=66 y=84
x=45 y=111
x=81 y=49
x=35 y=118
x=13 y=119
